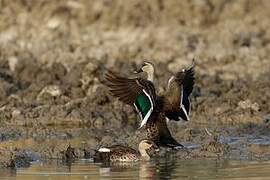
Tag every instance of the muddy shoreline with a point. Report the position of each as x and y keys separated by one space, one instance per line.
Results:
x=51 y=68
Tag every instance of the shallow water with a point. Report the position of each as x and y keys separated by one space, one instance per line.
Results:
x=156 y=169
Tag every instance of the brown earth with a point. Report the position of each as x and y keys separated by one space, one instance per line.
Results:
x=53 y=54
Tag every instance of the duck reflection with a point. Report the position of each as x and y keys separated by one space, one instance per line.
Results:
x=8 y=173
x=117 y=169
x=148 y=170
x=155 y=169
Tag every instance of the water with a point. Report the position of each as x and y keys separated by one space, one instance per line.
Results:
x=156 y=169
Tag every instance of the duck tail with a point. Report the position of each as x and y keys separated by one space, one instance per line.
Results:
x=170 y=142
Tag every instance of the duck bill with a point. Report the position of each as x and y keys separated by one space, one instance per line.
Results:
x=138 y=71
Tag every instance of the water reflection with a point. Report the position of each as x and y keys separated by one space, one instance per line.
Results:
x=141 y=170
x=9 y=173
x=156 y=169
x=148 y=170
x=117 y=170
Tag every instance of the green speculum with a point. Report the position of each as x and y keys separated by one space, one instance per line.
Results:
x=143 y=104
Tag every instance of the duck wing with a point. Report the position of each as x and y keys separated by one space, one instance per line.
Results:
x=123 y=153
x=176 y=104
x=138 y=92
x=122 y=149
x=115 y=153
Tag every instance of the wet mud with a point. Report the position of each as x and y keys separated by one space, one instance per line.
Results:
x=53 y=55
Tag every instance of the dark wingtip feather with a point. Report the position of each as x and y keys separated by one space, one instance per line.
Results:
x=119 y=87
x=106 y=76
x=109 y=78
x=186 y=77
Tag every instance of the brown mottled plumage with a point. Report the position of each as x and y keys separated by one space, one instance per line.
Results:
x=119 y=153
x=157 y=131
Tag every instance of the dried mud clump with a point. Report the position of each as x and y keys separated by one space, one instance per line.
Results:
x=215 y=148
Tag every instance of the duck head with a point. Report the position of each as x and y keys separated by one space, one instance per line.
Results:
x=149 y=69
x=145 y=145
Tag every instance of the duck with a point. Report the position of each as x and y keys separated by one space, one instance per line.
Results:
x=120 y=153
x=155 y=111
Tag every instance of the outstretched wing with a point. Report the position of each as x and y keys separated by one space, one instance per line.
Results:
x=176 y=99
x=137 y=92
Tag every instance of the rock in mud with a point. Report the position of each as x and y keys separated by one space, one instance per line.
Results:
x=22 y=158
x=214 y=148
x=51 y=91
x=260 y=150
x=247 y=104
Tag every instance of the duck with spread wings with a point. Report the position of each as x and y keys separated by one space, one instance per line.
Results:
x=154 y=109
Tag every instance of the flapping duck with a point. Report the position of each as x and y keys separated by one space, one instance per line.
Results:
x=153 y=109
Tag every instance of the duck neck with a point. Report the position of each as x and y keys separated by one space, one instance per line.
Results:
x=144 y=154
x=150 y=75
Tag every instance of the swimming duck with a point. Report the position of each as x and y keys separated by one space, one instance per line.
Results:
x=119 y=153
x=154 y=109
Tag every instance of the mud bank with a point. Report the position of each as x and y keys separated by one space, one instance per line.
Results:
x=51 y=66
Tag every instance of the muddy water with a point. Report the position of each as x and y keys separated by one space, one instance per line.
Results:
x=156 y=169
